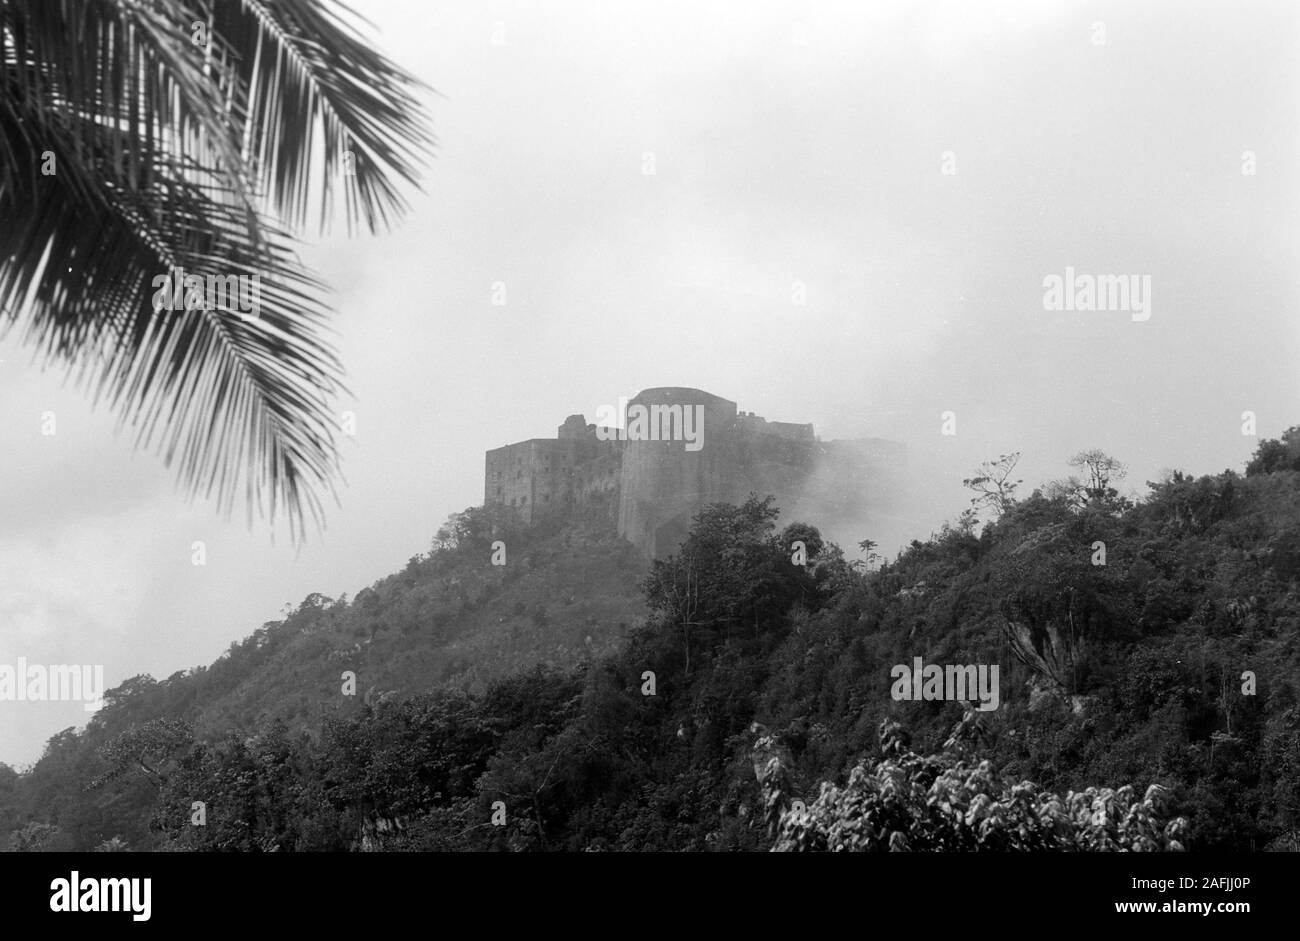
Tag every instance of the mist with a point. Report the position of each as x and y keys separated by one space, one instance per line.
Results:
x=830 y=213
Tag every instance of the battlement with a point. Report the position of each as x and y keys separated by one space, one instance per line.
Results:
x=674 y=451
x=749 y=423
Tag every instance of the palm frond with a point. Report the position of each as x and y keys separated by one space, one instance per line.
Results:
x=171 y=154
x=306 y=70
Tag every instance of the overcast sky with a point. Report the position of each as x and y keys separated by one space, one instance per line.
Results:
x=795 y=147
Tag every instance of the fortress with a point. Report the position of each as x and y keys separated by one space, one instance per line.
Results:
x=679 y=450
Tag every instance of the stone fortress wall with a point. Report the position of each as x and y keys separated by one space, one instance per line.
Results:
x=652 y=488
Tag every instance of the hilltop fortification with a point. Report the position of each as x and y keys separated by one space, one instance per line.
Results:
x=676 y=450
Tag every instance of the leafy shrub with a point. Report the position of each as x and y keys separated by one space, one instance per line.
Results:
x=944 y=803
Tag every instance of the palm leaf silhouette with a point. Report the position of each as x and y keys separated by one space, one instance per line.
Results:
x=142 y=136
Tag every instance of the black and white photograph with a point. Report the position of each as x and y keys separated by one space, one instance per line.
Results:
x=439 y=429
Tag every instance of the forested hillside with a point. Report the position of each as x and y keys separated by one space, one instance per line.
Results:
x=449 y=620
x=1148 y=660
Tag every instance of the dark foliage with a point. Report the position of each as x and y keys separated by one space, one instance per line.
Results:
x=1140 y=644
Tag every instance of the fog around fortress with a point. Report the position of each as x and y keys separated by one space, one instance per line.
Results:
x=756 y=206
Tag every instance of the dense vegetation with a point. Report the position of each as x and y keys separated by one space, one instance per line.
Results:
x=1148 y=695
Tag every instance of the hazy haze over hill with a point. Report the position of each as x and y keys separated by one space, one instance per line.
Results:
x=792 y=144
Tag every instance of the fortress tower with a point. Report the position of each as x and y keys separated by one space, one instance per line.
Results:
x=663 y=484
